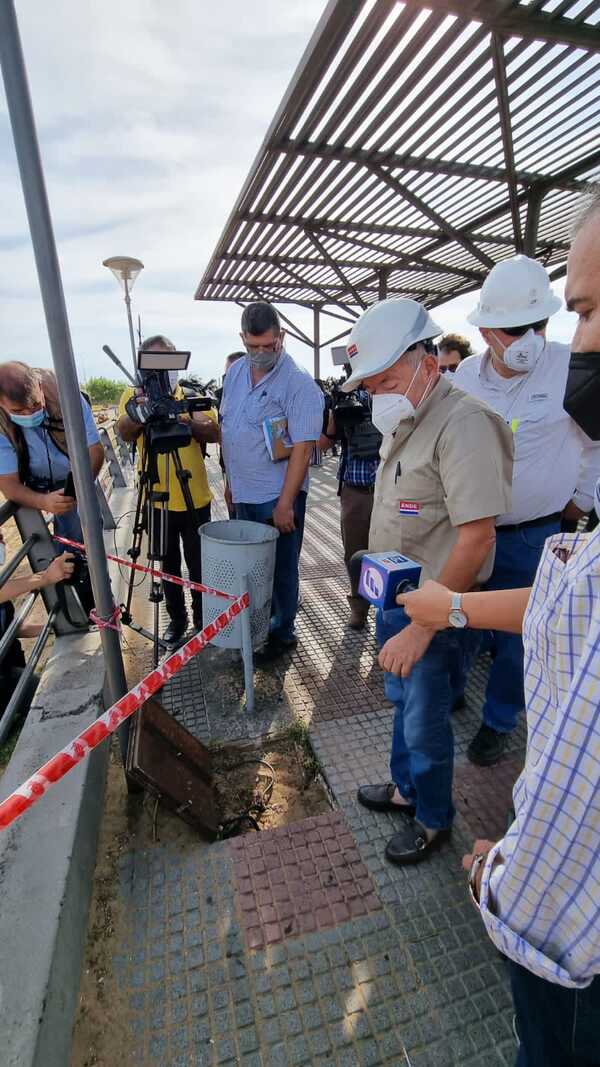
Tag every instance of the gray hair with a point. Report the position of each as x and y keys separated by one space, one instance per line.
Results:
x=589 y=209
x=415 y=355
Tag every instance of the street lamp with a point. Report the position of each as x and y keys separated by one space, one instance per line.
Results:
x=126 y=270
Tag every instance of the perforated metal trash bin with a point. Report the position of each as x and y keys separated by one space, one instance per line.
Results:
x=232 y=549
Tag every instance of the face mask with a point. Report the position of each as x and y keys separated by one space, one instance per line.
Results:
x=582 y=392
x=523 y=354
x=173 y=379
x=2 y=553
x=390 y=409
x=262 y=360
x=28 y=422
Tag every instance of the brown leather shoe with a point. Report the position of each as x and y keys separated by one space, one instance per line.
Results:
x=359 y=610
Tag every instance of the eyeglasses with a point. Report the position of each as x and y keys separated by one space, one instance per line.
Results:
x=451 y=369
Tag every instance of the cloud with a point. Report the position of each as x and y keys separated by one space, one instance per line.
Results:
x=149 y=115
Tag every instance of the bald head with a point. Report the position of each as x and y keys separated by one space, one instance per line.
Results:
x=582 y=291
x=20 y=388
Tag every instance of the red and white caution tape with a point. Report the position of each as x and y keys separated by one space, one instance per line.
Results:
x=185 y=582
x=64 y=761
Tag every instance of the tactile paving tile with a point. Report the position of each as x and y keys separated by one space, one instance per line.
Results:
x=300 y=878
x=483 y=795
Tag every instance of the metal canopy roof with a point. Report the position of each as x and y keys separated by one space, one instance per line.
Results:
x=418 y=143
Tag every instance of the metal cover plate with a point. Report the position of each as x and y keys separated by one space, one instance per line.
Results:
x=170 y=763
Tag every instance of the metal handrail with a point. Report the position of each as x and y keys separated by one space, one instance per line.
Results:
x=14 y=704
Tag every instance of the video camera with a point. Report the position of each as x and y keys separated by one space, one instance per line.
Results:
x=159 y=411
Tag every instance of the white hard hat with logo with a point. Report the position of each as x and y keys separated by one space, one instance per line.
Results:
x=382 y=334
x=516 y=292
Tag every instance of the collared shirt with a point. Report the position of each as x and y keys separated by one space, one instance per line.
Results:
x=191 y=459
x=357 y=470
x=450 y=464
x=540 y=891
x=555 y=461
x=287 y=391
x=45 y=459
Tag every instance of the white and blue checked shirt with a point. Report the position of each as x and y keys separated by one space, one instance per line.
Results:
x=540 y=892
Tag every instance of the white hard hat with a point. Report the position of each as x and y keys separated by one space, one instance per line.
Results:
x=516 y=292
x=382 y=334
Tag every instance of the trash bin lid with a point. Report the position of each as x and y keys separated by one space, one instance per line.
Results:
x=238 y=531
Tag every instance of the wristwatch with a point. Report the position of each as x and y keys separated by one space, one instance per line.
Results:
x=457 y=616
x=475 y=865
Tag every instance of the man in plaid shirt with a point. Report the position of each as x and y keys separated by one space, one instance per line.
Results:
x=538 y=889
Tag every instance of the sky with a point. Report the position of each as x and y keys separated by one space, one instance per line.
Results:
x=149 y=115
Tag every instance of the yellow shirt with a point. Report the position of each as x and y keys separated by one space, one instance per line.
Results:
x=191 y=460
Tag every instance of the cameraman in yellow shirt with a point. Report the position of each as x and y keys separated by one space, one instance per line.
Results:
x=182 y=527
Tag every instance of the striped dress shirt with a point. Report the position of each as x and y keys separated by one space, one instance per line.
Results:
x=540 y=891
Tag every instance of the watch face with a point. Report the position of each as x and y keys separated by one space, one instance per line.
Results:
x=457 y=618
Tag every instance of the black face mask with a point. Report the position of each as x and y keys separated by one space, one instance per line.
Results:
x=582 y=392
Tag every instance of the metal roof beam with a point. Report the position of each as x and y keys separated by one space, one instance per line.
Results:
x=421 y=164
x=396 y=261
x=334 y=266
x=518 y=21
x=450 y=232
x=318 y=224
x=499 y=62
x=326 y=291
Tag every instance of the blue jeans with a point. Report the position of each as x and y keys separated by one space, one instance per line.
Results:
x=422 y=759
x=517 y=556
x=69 y=526
x=284 y=603
x=558 y=1027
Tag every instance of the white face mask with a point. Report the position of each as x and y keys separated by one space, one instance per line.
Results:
x=173 y=378
x=523 y=354
x=390 y=409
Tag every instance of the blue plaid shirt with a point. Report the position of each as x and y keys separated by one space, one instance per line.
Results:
x=540 y=892
x=357 y=471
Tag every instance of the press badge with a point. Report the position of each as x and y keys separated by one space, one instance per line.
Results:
x=409 y=507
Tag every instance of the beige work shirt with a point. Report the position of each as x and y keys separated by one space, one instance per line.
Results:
x=450 y=464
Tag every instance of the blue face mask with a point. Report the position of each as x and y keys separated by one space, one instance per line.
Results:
x=28 y=422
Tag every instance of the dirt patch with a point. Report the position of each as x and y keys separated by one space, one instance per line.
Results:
x=276 y=783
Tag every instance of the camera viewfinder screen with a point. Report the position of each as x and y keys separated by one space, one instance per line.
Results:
x=163 y=360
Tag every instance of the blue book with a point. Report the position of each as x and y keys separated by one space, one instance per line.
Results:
x=277 y=438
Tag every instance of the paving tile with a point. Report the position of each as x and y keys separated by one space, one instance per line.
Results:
x=299 y=879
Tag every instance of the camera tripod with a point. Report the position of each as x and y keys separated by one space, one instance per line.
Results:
x=152 y=517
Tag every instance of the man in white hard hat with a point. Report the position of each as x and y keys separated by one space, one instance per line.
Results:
x=522 y=376
x=444 y=477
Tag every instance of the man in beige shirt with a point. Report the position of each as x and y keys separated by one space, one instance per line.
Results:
x=444 y=476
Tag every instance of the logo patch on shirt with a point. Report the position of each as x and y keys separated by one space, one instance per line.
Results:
x=535 y=398
x=352 y=350
x=409 y=507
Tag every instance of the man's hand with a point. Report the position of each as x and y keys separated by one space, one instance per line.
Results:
x=283 y=517
x=62 y=567
x=58 y=503
x=480 y=848
x=401 y=652
x=428 y=606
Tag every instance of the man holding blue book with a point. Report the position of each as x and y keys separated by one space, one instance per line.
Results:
x=267 y=397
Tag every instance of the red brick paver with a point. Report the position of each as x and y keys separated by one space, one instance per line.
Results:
x=300 y=878
x=483 y=795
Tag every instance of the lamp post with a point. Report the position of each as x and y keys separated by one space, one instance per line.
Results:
x=126 y=270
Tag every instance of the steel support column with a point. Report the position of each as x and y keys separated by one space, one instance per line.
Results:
x=532 y=222
x=317 y=340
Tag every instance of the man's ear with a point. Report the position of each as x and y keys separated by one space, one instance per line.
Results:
x=242 y=339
